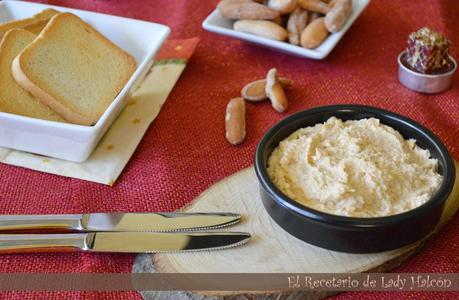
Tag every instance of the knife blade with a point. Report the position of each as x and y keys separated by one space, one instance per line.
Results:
x=158 y=222
x=121 y=242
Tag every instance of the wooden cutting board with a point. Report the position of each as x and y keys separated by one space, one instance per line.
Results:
x=271 y=249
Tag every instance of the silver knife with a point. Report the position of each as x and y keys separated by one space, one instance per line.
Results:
x=127 y=242
x=158 y=222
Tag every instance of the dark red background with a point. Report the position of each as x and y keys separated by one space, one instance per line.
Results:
x=184 y=151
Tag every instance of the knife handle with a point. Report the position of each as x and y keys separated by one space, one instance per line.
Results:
x=41 y=222
x=27 y=243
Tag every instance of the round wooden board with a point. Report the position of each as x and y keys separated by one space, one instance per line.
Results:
x=271 y=249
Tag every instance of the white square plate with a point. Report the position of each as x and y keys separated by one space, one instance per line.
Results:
x=215 y=23
x=69 y=141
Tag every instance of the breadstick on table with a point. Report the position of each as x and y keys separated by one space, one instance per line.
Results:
x=275 y=92
x=235 y=121
x=255 y=91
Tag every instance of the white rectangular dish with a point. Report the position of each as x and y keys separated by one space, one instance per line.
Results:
x=69 y=141
x=215 y=23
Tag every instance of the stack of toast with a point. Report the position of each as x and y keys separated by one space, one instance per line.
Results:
x=56 y=67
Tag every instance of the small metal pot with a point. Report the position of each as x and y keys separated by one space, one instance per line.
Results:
x=349 y=234
x=425 y=83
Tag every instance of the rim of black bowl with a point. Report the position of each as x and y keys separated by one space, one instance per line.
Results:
x=440 y=196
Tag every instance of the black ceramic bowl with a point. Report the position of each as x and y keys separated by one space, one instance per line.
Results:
x=348 y=234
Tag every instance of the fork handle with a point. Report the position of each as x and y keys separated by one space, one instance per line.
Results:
x=40 y=222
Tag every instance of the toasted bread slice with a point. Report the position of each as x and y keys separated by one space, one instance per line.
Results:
x=13 y=98
x=33 y=24
x=73 y=69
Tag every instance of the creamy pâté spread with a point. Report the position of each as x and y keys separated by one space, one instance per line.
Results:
x=357 y=168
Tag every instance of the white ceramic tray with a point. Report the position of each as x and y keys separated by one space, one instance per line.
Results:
x=69 y=141
x=215 y=23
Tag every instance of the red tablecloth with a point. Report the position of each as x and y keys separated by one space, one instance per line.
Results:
x=184 y=151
